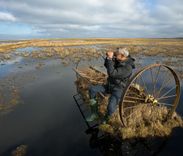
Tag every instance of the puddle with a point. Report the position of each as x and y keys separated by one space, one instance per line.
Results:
x=27 y=49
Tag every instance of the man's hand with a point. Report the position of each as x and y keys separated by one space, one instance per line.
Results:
x=110 y=54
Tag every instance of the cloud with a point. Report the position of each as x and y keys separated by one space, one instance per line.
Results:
x=99 y=18
x=98 y=12
x=4 y=16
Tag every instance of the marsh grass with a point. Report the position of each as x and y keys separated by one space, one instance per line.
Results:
x=137 y=44
x=9 y=98
x=9 y=95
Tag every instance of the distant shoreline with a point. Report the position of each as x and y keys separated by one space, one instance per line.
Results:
x=15 y=40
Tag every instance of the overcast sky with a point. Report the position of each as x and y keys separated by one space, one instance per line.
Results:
x=90 y=18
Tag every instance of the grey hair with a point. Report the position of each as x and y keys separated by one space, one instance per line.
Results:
x=123 y=51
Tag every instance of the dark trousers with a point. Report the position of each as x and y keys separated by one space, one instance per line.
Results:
x=113 y=99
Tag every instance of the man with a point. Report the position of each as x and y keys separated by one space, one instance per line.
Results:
x=119 y=67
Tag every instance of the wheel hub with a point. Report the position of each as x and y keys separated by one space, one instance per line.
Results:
x=151 y=99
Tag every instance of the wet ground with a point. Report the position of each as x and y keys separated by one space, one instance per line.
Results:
x=44 y=116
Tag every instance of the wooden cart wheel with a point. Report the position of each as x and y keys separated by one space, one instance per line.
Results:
x=155 y=85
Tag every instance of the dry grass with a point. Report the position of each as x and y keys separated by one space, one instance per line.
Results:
x=148 y=121
x=66 y=54
x=136 y=44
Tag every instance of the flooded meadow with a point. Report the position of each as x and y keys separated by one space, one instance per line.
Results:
x=38 y=115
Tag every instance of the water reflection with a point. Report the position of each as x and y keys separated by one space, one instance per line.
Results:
x=107 y=145
x=151 y=146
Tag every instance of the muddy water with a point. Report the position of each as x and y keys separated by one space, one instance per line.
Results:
x=47 y=119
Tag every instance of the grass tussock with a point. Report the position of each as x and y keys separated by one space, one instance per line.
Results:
x=147 y=121
x=9 y=97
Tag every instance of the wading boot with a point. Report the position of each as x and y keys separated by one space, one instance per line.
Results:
x=94 y=111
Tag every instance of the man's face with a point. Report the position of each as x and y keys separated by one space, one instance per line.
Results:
x=119 y=56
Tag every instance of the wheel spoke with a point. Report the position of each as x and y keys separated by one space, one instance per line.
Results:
x=131 y=113
x=135 y=111
x=129 y=101
x=135 y=98
x=152 y=79
x=163 y=86
x=133 y=93
x=166 y=104
x=166 y=97
x=131 y=107
x=167 y=92
x=156 y=79
x=144 y=84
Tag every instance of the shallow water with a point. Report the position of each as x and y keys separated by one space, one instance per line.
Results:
x=47 y=119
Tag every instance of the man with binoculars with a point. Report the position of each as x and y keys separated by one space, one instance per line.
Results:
x=119 y=65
